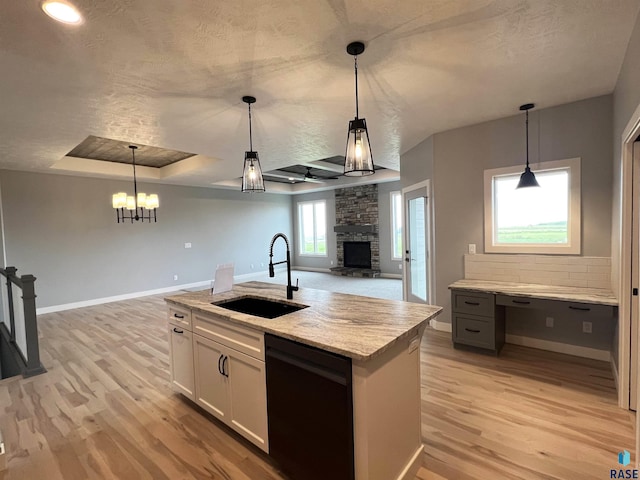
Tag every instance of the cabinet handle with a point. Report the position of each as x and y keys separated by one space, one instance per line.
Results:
x=224 y=370
x=472 y=303
x=521 y=302
x=582 y=309
x=219 y=367
x=178 y=316
x=472 y=331
x=177 y=331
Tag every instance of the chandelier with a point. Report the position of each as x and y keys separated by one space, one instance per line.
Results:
x=139 y=206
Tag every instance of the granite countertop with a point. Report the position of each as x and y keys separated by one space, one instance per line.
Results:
x=350 y=325
x=552 y=292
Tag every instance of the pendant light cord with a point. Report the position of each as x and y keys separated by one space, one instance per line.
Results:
x=250 y=135
x=527 y=135
x=135 y=183
x=355 y=63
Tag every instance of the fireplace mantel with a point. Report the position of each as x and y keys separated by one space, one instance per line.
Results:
x=369 y=228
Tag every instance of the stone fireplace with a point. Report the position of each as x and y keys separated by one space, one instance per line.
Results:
x=357 y=224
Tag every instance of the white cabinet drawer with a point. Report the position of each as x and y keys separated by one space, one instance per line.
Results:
x=179 y=316
x=238 y=337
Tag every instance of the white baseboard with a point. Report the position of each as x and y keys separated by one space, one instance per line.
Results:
x=440 y=325
x=614 y=371
x=397 y=276
x=311 y=269
x=127 y=296
x=575 y=350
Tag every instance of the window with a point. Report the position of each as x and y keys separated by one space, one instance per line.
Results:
x=312 y=226
x=396 y=225
x=533 y=220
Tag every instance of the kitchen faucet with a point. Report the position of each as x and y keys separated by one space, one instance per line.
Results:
x=290 y=288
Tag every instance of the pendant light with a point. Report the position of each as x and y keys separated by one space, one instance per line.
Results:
x=252 y=180
x=139 y=205
x=527 y=179
x=358 y=161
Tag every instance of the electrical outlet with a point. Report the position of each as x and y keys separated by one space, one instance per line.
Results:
x=550 y=322
x=472 y=249
x=586 y=327
x=252 y=266
x=399 y=266
x=175 y=277
x=331 y=262
x=187 y=245
x=261 y=264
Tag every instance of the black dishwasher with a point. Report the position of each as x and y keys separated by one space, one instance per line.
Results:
x=310 y=411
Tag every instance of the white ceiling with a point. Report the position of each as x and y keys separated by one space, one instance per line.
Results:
x=172 y=73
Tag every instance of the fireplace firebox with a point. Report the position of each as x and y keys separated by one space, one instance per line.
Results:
x=357 y=254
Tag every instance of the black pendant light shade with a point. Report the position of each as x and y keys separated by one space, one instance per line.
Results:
x=358 y=160
x=252 y=180
x=527 y=179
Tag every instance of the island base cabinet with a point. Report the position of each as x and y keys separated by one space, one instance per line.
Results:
x=181 y=361
x=211 y=384
x=387 y=416
x=231 y=386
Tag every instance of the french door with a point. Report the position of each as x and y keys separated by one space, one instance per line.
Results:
x=417 y=270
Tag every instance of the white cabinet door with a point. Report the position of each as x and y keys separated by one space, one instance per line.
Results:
x=211 y=383
x=248 y=397
x=181 y=361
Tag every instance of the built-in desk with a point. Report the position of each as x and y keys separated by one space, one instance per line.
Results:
x=478 y=307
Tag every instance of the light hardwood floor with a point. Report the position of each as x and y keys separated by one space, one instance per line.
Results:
x=105 y=410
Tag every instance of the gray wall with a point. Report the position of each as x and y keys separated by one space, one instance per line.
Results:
x=626 y=98
x=581 y=129
x=387 y=266
x=63 y=230
x=416 y=165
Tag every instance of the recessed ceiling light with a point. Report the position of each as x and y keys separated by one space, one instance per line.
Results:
x=62 y=12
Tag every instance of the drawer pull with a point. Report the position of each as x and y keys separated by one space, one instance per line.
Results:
x=582 y=309
x=178 y=316
x=521 y=302
x=475 y=304
x=470 y=330
x=177 y=331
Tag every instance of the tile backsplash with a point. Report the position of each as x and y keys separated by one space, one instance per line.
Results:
x=570 y=271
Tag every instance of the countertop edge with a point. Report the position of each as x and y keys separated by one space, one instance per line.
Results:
x=350 y=354
x=508 y=289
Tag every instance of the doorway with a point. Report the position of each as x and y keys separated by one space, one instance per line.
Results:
x=417 y=284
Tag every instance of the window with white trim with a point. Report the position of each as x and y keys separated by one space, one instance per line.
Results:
x=533 y=220
x=312 y=228
x=396 y=225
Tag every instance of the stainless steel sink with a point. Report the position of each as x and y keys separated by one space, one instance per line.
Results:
x=260 y=307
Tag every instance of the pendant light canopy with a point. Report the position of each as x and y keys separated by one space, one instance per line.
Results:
x=252 y=180
x=139 y=206
x=358 y=161
x=527 y=179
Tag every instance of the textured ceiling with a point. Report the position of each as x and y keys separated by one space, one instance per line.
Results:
x=171 y=74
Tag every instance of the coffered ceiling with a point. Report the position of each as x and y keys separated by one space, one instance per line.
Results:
x=172 y=74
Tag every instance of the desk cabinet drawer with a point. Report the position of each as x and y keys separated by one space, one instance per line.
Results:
x=560 y=306
x=476 y=331
x=473 y=303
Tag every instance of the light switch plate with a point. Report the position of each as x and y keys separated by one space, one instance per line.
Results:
x=472 y=249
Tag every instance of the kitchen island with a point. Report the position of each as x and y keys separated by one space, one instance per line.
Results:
x=218 y=361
